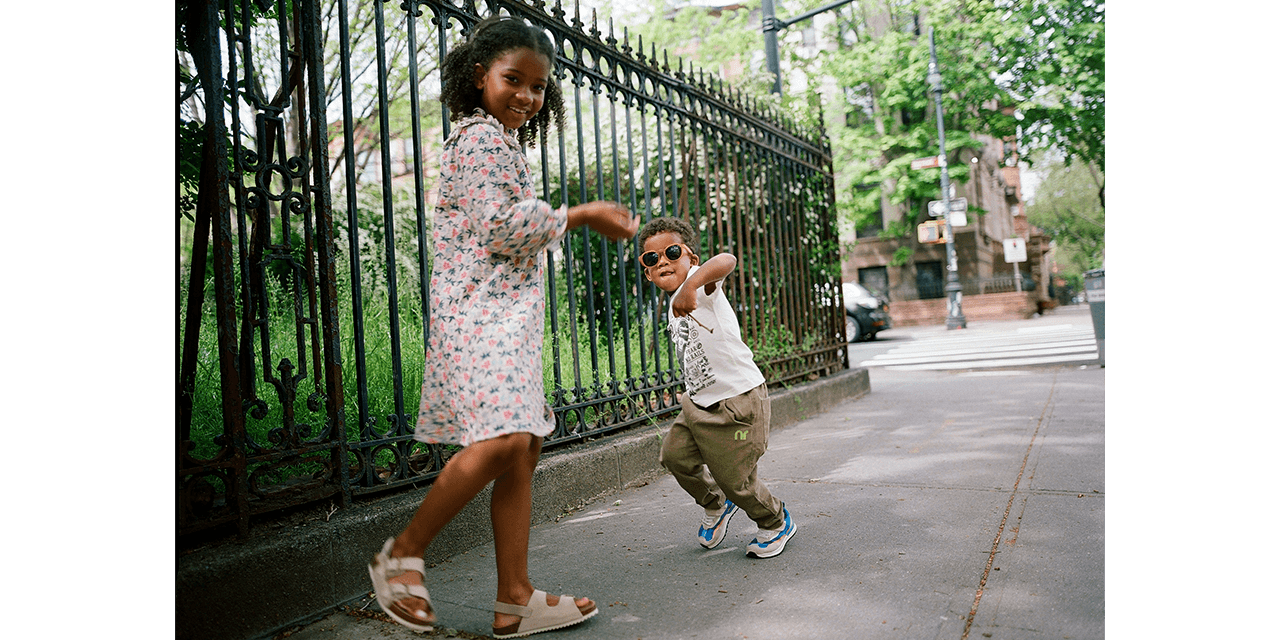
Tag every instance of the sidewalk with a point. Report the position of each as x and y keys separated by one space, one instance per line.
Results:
x=938 y=506
x=289 y=571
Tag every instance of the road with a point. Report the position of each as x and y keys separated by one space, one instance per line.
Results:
x=1060 y=338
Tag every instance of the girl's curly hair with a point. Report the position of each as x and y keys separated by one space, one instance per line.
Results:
x=491 y=39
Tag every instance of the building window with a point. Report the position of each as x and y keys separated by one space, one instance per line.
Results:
x=859 y=103
x=874 y=279
x=809 y=36
x=929 y=282
x=910 y=117
x=906 y=20
x=872 y=228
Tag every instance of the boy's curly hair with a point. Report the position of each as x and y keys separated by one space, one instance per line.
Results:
x=490 y=39
x=664 y=224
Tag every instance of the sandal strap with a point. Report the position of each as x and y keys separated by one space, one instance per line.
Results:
x=390 y=566
x=400 y=591
x=517 y=610
x=401 y=565
x=389 y=594
x=539 y=616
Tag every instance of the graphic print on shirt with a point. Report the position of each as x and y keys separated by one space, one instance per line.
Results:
x=693 y=358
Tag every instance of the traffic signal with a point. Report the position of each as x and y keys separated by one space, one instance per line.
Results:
x=932 y=232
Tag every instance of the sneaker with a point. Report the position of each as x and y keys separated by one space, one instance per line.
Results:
x=715 y=524
x=769 y=542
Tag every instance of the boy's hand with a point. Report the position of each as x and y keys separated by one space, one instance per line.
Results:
x=609 y=219
x=684 y=302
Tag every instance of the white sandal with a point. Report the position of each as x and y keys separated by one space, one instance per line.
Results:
x=537 y=616
x=382 y=568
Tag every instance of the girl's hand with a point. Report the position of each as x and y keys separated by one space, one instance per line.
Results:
x=609 y=219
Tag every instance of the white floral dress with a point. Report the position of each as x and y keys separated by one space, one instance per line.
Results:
x=483 y=375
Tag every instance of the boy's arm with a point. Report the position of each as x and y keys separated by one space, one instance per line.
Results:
x=707 y=275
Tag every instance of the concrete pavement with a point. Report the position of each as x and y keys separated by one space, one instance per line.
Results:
x=941 y=505
x=292 y=569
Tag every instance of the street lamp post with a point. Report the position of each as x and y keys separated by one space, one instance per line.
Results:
x=955 y=316
x=771 y=25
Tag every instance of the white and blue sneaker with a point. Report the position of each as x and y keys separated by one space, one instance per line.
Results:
x=770 y=542
x=715 y=524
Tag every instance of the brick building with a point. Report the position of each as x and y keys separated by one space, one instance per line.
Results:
x=996 y=213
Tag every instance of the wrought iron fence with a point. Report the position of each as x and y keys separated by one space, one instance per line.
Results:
x=321 y=136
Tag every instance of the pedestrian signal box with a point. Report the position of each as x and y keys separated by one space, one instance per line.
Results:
x=932 y=232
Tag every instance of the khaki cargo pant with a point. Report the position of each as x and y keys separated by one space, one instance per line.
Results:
x=712 y=452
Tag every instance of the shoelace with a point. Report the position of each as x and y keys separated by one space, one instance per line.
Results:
x=763 y=536
x=710 y=519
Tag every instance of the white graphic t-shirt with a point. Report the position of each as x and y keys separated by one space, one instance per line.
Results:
x=715 y=362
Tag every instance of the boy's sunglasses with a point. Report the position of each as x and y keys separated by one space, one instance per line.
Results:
x=672 y=252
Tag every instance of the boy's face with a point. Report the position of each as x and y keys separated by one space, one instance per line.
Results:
x=666 y=273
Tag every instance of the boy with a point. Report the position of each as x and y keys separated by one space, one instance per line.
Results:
x=723 y=426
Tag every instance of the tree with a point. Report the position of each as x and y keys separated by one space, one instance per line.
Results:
x=1055 y=65
x=1066 y=207
x=881 y=63
x=724 y=41
x=205 y=61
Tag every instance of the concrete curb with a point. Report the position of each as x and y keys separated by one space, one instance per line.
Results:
x=240 y=590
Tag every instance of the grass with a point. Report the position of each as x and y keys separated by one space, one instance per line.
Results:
x=266 y=416
x=582 y=377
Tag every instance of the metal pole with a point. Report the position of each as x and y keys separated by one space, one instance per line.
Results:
x=769 y=22
x=955 y=316
x=772 y=25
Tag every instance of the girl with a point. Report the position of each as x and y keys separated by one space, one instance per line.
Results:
x=482 y=386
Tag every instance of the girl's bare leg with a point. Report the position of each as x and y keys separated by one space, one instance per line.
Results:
x=510 y=511
x=465 y=475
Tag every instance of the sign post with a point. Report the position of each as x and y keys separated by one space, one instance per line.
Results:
x=1015 y=251
x=928 y=163
x=958 y=205
x=955 y=315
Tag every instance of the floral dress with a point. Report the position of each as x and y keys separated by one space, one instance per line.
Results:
x=483 y=375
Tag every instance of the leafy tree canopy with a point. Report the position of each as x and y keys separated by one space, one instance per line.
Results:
x=881 y=62
x=1054 y=64
x=1065 y=206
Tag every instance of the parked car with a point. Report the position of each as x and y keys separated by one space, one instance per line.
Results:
x=865 y=313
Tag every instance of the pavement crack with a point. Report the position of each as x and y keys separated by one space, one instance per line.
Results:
x=1045 y=413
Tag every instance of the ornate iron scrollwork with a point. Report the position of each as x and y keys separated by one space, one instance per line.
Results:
x=666 y=143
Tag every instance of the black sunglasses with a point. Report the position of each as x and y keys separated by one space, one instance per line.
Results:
x=672 y=252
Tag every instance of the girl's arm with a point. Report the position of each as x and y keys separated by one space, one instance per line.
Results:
x=486 y=179
x=517 y=226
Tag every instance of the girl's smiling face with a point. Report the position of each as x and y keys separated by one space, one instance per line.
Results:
x=668 y=274
x=514 y=86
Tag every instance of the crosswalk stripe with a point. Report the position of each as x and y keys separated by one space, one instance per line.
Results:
x=1024 y=347
x=996 y=339
x=980 y=364
x=1081 y=347
x=984 y=347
